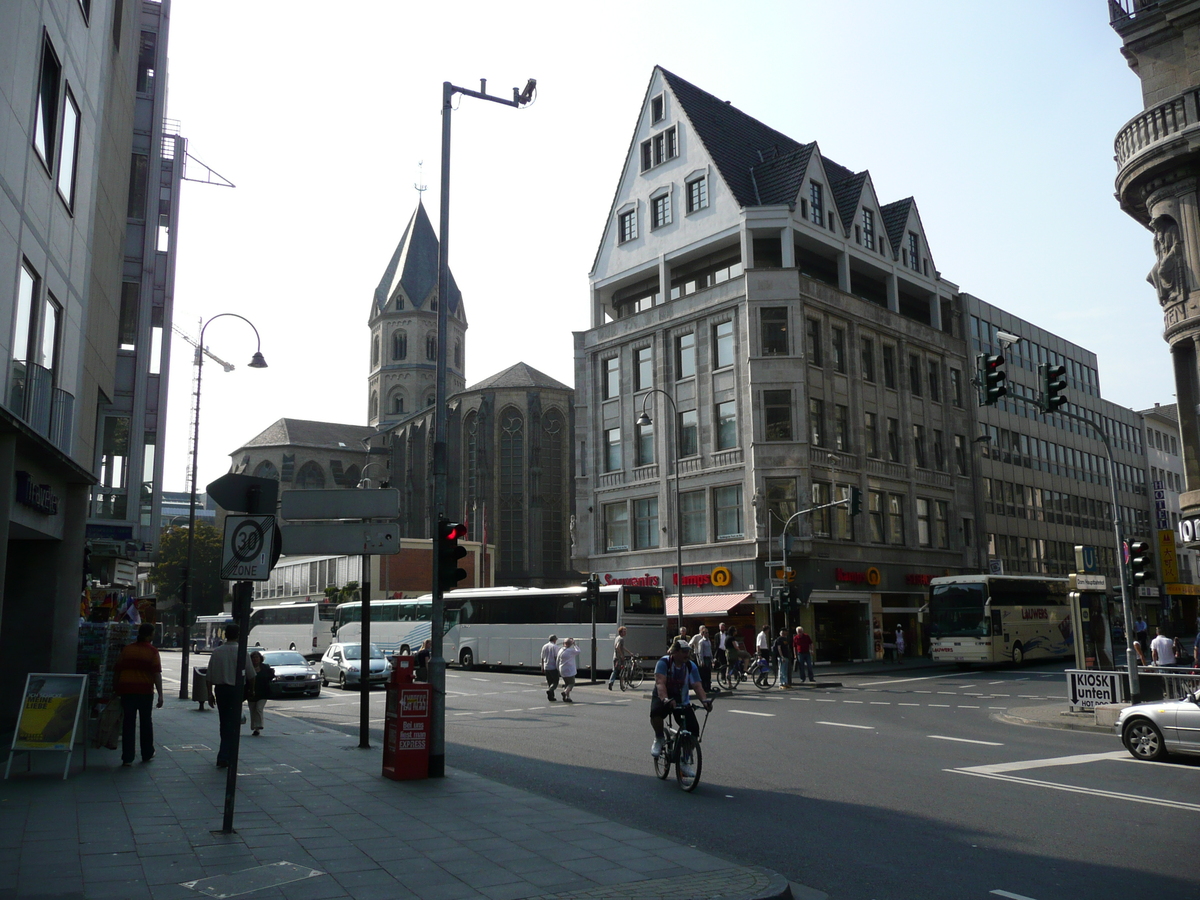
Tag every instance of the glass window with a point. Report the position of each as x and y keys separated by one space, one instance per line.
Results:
x=773 y=320
x=612 y=377
x=868 y=360
x=941 y=524
x=692 y=517
x=643 y=444
x=399 y=344
x=697 y=194
x=868 y=229
x=875 y=515
x=612 y=450
x=841 y=427
x=918 y=433
x=616 y=527
x=127 y=330
x=960 y=454
x=871 y=427
x=837 y=338
x=956 y=389
x=924 y=534
x=777 y=415
x=722 y=345
x=685 y=355
x=728 y=508
x=816 y=205
x=895 y=519
x=781 y=502
x=661 y=211
x=935 y=382
x=627 y=226
x=893 y=440
x=820 y=519
x=689 y=432
x=939 y=451
x=816 y=421
x=44 y=127
x=914 y=374
x=889 y=366
x=726 y=421
x=841 y=514
x=814 y=342
x=70 y=142
x=914 y=255
x=643 y=368
x=645 y=520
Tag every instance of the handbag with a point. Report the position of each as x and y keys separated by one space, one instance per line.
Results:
x=108 y=728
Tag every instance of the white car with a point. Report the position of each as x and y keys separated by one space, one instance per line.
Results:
x=1152 y=730
x=342 y=664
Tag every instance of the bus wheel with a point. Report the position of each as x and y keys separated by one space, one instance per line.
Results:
x=1018 y=654
x=466 y=659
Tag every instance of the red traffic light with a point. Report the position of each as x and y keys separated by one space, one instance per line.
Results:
x=453 y=531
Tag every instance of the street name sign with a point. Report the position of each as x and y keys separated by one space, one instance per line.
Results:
x=248 y=549
x=341 y=538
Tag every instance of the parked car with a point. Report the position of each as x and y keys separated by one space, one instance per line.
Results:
x=342 y=663
x=1152 y=730
x=293 y=674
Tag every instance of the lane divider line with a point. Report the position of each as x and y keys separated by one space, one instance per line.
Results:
x=845 y=725
x=943 y=737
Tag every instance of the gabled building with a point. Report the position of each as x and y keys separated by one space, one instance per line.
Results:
x=790 y=339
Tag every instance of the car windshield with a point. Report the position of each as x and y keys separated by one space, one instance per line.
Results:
x=284 y=658
x=354 y=651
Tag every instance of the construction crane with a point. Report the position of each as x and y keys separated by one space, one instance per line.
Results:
x=228 y=367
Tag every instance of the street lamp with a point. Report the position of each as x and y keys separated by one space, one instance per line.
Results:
x=256 y=362
x=644 y=420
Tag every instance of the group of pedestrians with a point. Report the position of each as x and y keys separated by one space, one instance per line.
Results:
x=561 y=662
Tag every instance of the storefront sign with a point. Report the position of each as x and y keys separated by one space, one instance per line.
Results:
x=1088 y=689
x=634 y=578
x=915 y=578
x=1168 y=563
x=870 y=576
x=36 y=496
x=1188 y=531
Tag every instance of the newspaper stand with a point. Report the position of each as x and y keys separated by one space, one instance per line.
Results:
x=406 y=724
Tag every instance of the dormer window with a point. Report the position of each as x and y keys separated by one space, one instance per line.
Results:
x=656 y=109
x=868 y=229
x=816 y=209
x=914 y=255
x=659 y=149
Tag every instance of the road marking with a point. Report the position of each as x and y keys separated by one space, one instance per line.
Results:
x=881 y=702
x=997 y=707
x=482 y=679
x=964 y=706
x=1010 y=896
x=859 y=702
x=939 y=705
x=514 y=710
x=942 y=737
x=844 y=725
x=746 y=712
x=908 y=704
x=906 y=680
x=823 y=700
x=951 y=693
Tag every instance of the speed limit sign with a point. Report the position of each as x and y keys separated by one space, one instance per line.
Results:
x=247 y=554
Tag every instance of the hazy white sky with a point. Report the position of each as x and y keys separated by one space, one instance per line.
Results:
x=998 y=118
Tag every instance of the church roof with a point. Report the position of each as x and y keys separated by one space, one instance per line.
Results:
x=305 y=433
x=520 y=375
x=414 y=269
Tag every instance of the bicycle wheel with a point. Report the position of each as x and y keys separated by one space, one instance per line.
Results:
x=764 y=679
x=636 y=675
x=722 y=675
x=687 y=770
x=623 y=678
x=662 y=763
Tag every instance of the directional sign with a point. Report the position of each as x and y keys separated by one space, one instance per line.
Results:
x=350 y=538
x=248 y=548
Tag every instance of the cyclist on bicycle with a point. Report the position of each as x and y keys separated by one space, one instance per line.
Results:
x=675 y=676
x=620 y=656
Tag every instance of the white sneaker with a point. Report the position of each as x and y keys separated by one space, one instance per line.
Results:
x=686 y=767
x=656 y=748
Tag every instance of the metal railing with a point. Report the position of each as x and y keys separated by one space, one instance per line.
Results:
x=1119 y=10
x=48 y=410
x=1177 y=681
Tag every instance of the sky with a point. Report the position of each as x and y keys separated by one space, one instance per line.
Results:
x=999 y=118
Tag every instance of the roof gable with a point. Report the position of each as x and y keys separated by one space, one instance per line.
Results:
x=519 y=375
x=308 y=433
x=901 y=217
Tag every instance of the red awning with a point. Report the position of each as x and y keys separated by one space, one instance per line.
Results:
x=705 y=604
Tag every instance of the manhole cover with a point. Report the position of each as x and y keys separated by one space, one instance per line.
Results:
x=250 y=880
x=272 y=769
x=180 y=748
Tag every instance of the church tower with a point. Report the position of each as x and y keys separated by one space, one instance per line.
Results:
x=403 y=324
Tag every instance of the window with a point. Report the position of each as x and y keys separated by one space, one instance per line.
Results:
x=875 y=515
x=871 y=426
x=627 y=226
x=645 y=523
x=868 y=229
x=399 y=345
x=67 y=156
x=127 y=329
x=960 y=454
x=914 y=374
x=660 y=148
x=726 y=422
x=612 y=377
x=612 y=450
x=816 y=421
x=889 y=366
x=697 y=193
x=895 y=519
x=656 y=109
x=431 y=346
x=643 y=368
x=918 y=433
x=723 y=345
x=397 y=405
x=841 y=427
x=868 y=360
x=692 y=517
x=689 y=428
x=35 y=337
x=837 y=337
x=816 y=208
x=773 y=322
x=893 y=440
x=643 y=444
x=147 y=50
x=841 y=515
x=685 y=355
x=727 y=503
x=45 y=128
x=660 y=211
x=777 y=415
x=781 y=501
x=956 y=394
x=820 y=519
x=616 y=527
x=941 y=524
x=139 y=175
x=939 y=451
x=814 y=342
x=935 y=382
x=914 y=255
x=924 y=534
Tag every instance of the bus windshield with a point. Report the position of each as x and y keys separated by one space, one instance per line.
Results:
x=956 y=610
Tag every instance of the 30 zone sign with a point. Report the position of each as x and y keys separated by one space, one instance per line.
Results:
x=248 y=548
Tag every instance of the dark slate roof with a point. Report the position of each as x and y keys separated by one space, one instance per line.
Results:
x=303 y=432
x=414 y=266
x=1167 y=411
x=519 y=376
x=777 y=181
x=895 y=217
x=846 y=194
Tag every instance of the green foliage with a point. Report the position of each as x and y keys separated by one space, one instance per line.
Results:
x=167 y=572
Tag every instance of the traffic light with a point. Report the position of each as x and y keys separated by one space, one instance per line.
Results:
x=1141 y=563
x=592 y=595
x=1054 y=382
x=991 y=378
x=449 y=553
x=855 y=501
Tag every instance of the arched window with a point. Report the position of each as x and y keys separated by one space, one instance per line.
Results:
x=458 y=355
x=375 y=350
x=266 y=469
x=310 y=476
x=399 y=300
x=352 y=476
x=399 y=344
x=373 y=411
x=553 y=485
x=397 y=404
x=431 y=347
x=471 y=475
x=430 y=400
x=512 y=491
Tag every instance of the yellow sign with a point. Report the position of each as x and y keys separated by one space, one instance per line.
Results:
x=1190 y=590
x=50 y=712
x=1167 y=561
x=721 y=577
x=788 y=574
x=873 y=576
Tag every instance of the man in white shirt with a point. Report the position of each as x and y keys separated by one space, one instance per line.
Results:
x=223 y=692
x=702 y=655
x=1162 y=649
x=720 y=662
x=764 y=642
x=550 y=665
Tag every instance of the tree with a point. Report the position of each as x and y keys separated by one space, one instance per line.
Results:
x=208 y=591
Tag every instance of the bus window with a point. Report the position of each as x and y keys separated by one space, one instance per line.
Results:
x=449 y=619
x=644 y=602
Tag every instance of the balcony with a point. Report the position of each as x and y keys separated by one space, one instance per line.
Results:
x=1151 y=131
x=46 y=409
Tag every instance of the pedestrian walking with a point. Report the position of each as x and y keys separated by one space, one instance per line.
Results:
x=568 y=666
x=620 y=655
x=1162 y=649
x=682 y=636
x=802 y=643
x=899 y=644
x=719 y=647
x=702 y=655
x=137 y=675
x=764 y=642
x=1139 y=631
x=260 y=691
x=421 y=663
x=222 y=690
x=785 y=652
x=550 y=665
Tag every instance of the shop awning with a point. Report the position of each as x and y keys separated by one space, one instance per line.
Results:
x=705 y=604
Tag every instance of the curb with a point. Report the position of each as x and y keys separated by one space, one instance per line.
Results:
x=1064 y=724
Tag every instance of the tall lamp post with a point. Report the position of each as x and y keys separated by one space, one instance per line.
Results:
x=364 y=682
x=256 y=362
x=644 y=420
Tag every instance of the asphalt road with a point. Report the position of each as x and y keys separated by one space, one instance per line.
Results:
x=904 y=786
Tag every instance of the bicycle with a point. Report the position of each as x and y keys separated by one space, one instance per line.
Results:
x=682 y=748
x=632 y=674
x=760 y=671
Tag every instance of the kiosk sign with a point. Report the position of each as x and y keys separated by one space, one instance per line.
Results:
x=1089 y=688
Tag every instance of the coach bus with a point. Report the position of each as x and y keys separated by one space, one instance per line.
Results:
x=999 y=618
x=507 y=626
x=304 y=626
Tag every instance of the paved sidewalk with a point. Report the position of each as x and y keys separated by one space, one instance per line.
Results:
x=313 y=807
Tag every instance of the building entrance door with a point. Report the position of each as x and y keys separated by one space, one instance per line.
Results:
x=842 y=630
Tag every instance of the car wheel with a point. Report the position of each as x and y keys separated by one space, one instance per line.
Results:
x=1143 y=739
x=1018 y=654
x=342 y=681
x=324 y=680
x=466 y=659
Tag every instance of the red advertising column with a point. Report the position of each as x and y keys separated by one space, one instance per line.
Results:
x=406 y=725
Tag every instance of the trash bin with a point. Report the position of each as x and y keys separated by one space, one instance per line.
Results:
x=200 y=685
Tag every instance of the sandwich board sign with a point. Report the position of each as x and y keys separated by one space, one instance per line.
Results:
x=248 y=549
x=50 y=715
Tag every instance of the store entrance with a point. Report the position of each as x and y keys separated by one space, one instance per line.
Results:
x=842 y=630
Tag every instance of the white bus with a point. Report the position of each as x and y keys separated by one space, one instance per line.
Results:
x=507 y=626
x=999 y=618
x=209 y=631
x=305 y=626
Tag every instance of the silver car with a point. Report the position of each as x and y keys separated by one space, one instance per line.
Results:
x=293 y=674
x=1152 y=730
x=342 y=664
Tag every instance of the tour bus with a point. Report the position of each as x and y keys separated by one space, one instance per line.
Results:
x=209 y=631
x=999 y=618
x=302 y=625
x=507 y=626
